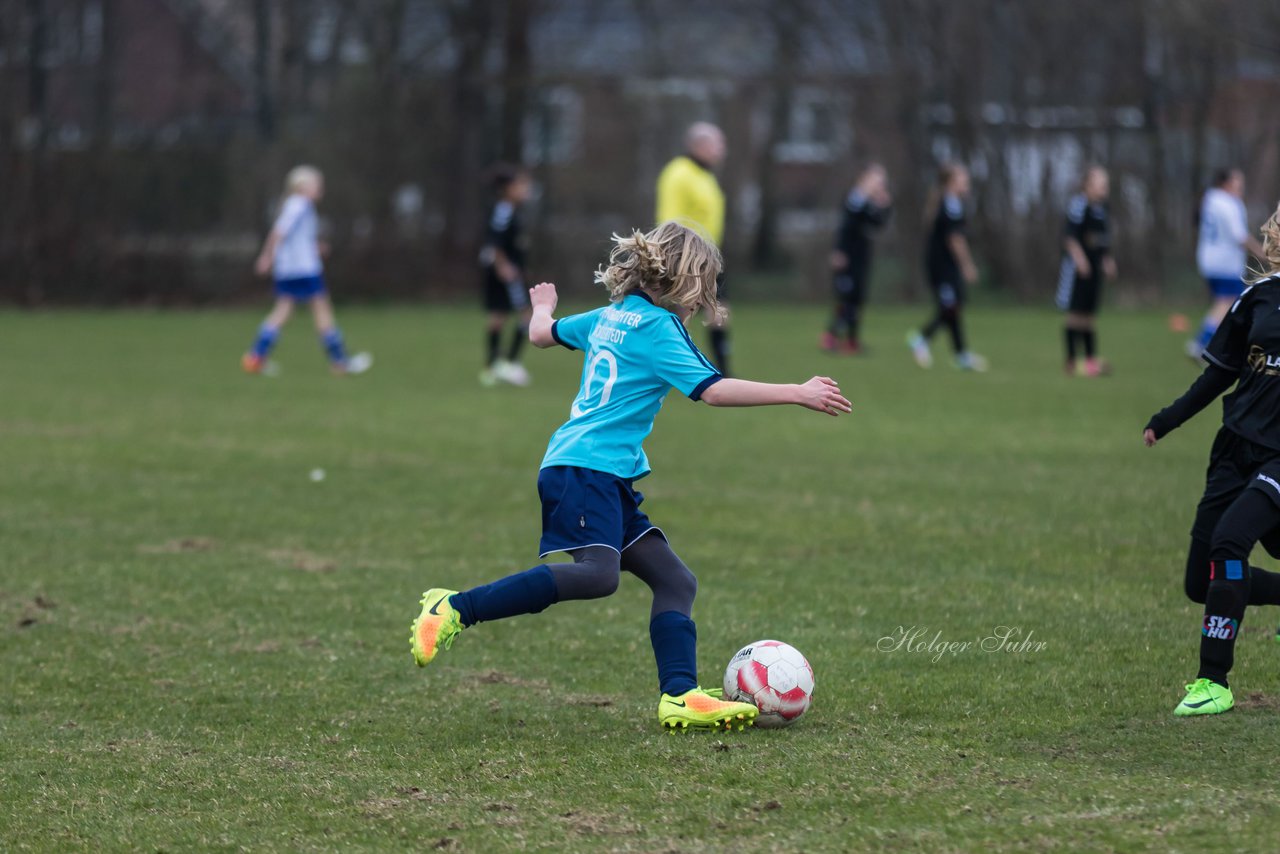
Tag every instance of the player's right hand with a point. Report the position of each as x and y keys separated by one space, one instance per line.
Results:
x=1149 y=437
x=263 y=265
x=543 y=295
x=822 y=394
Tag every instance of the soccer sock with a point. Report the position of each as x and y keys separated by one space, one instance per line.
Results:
x=495 y=339
x=1206 y=332
x=851 y=322
x=675 y=649
x=1223 y=612
x=266 y=339
x=1071 y=344
x=720 y=348
x=929 y=329
x=1090 y=340
x=525 y=592
x=517 y=341
x=1264 y=587
x=332 y=343
x=957 y=332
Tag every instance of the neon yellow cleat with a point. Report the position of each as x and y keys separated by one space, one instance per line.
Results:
x=1205 y=697
x=436 y=626
x=699 y=709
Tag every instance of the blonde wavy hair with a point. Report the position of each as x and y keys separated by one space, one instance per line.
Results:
x=673 y=264
x=1270 y=259
x=299 y=177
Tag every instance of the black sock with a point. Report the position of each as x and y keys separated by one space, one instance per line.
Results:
x=854 y=317
x=720 y=348
x=1090 y=339
x=517 y=341
x=1264 y=587
x=957 y=332
x=1223 y=613
x=928 y=330
x=495 y=338
x=1071 y=336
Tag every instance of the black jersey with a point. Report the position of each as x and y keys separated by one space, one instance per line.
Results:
x=1248 y=343
x=503 y=233
x=1089 y=225
x=941 y=262
x=862 y=219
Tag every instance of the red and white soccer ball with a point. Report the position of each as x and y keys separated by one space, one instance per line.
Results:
x=772 y=676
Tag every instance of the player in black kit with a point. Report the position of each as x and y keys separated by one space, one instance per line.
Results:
x=1241 y=503
x=950 y=268
x=1086 y=262
x=502 y=262
x=866 y=210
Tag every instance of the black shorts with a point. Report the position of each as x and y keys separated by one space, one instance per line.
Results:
x=1237 y=464
x=948 y=293
x=850 y=289
x=1077 y=294
x=502 y=297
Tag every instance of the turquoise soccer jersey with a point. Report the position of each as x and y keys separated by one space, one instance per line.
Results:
x=635 y=352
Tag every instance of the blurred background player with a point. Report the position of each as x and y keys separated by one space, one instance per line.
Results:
x=503 y=261
x=949 y=266
x=1086 y=261
x=688 y=193
x=1222 y=251
x=866 y=211
x=291 y=254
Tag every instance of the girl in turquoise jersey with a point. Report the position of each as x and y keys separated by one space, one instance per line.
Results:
x=636 y=349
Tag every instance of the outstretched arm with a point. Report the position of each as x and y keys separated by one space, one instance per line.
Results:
x=543 y=298
x=1213 y=382
x=821 y=394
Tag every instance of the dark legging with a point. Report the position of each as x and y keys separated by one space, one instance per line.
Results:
x=594 y=574
x=948 y=316
x=1233 y=584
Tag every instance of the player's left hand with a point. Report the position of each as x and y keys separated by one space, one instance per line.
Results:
x=1149 y=438
x=1109 y=267
x=263 y=265
x=822 y=394
x=543 y=295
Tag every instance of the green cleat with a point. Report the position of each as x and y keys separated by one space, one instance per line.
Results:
x=1205 y=697
x=699 y=709
x=436 y=626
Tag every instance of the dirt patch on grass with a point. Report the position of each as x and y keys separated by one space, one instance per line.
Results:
x=180 y=546
x=1258 y=701
x=302 y=560
x=404 y=797
x=597 y=824
x=497 y=677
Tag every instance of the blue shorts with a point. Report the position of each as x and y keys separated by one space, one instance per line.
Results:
x=582 y=507
x=303 y=288
x=1225 y=287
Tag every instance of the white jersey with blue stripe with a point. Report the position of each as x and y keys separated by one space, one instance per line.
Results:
x=634 y=353
x=298 y=253
x=1224 y=227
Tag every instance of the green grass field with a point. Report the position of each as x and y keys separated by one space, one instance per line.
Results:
x=205 y=650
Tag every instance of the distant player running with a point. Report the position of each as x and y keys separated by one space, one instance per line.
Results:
x=1222 y=251
x=1086 y=262
x=635 y=350
x=1241 y=503
x=688 y=193
x=503 y=263
x=292 y=255
x=866 y=211
x=950 y=268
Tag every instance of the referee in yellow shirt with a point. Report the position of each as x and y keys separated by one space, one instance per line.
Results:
x=689 y=193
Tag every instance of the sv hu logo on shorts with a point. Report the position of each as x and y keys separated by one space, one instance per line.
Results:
x=1220 y=628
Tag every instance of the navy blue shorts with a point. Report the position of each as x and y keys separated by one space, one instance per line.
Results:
x=1225 y=287
x=303 y=288
x=581 y=507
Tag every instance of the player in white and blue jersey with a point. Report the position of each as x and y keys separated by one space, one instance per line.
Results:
x=1222 y=251
x=635 y=350
x=291 y=254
